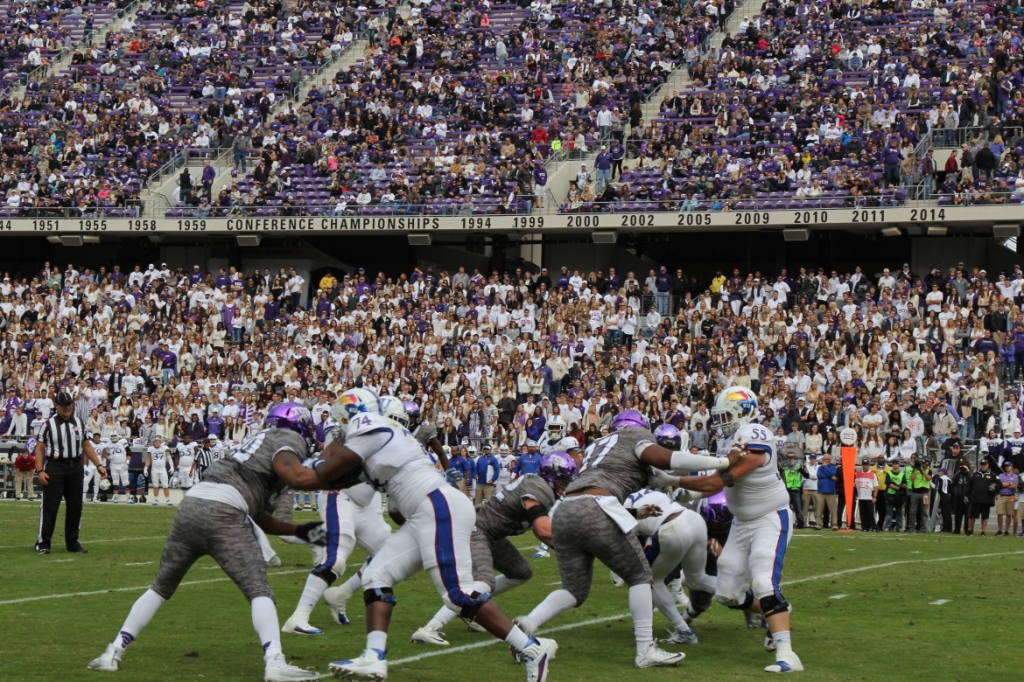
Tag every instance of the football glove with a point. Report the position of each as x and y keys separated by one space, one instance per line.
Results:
x=312 y=533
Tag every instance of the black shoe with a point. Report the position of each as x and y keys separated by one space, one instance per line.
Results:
x=982 y=533
x=42 y=549
x=78 y=549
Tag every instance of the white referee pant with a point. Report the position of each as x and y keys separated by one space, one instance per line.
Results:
x=436 y=538
x=753 y=557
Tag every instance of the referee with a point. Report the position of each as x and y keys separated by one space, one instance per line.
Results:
x=62 y=444
x=204 y=459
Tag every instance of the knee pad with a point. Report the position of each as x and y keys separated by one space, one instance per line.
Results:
x=700 y=600
x=773 y=604
x=383 y=594
x=736 y=604
x=326 y=573
x=472 y=605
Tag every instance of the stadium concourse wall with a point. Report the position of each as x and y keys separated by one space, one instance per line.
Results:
x=867 y=219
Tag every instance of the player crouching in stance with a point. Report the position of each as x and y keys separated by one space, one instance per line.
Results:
x=750 y=566
x=676 y=538
x=590 y=522
x=215 y=519
x=435 y=536
x=522 y=505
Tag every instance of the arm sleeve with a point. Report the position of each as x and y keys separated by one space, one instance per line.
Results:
x=684 y=461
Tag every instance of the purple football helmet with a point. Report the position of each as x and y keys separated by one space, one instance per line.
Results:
x=294 y=417
x=630 y=419
x=667 y=436
x=412 y=410
x=558 y=469
x=716 y=513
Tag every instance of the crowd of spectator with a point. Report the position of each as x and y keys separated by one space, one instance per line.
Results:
x=171 y=76
x=455 y=108
x=833 y=104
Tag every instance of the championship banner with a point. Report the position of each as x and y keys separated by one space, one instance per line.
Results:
x=848 y=454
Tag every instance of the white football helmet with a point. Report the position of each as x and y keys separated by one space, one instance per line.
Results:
x=568 y=444
x=354 y=402
x=734 y=407
x=504 y=449
x=394 y=411
x=556 y=427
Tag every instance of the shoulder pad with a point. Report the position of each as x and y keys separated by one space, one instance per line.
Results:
x=367 y=423
x=754 y=437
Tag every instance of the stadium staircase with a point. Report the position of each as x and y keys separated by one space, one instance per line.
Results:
x=159 y=194
x=679 y=79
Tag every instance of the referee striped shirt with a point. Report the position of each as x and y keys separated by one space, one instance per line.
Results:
x=204 y=458
x=63 y=439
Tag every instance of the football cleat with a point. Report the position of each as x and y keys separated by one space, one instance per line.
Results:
x=169 y=503
x=785 y=663
x=155 y=503
x=429 y=635
x=616 y=580
x=108 y=661
x=278 y=670
x=298 y=627
x=538 y=656
x=681 y=637
x=769 y=642
x=371 y=665
x=473 y=625
x=541 y=553
x=274 y=561
x=654 y=657
x=42 y=549
x=682 y=601
x=336 y=605
x=526 y=625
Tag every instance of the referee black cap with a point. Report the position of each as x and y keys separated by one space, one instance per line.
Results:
x=64 y=398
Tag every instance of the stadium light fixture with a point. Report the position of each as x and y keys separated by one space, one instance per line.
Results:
x=796 y=235
x=1006 y=231
x=91 y=239
x=53 y=239
x=891 y=231
x=605 y=237
x=71 y=240
x=248 y=239
x=420 y=239
x=937 y=231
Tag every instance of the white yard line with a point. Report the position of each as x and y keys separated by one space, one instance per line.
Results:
x=139 y=588
x=141 y=563
x=939 y=602
x=605 y=619
x=839 y=596
x=92 y=542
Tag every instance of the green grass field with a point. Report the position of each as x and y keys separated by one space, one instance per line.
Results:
x=864 y=611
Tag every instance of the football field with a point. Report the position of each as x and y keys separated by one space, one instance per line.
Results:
x=867 y=607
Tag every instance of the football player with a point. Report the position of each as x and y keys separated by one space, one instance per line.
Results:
x=571 y=447
x=158 y=463
x=92 y=476
x=506 y=460
x=591 y=523
x=117 y=456
x=523 y=505
x=750 y=566
x=216 y=519
x=435 y=536
x=676 y=539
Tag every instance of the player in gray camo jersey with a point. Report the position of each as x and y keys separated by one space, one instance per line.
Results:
x=590 y=522
x=523 y=505
x=214 y=519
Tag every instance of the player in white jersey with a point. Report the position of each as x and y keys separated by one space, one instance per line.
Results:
x=158 y=463
x=506 y=460
x=352 y=517
x=678 y=538
x=750 y=566
x=117 y=464
x=435 y=536
x=186 y=461
x=92 y=476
